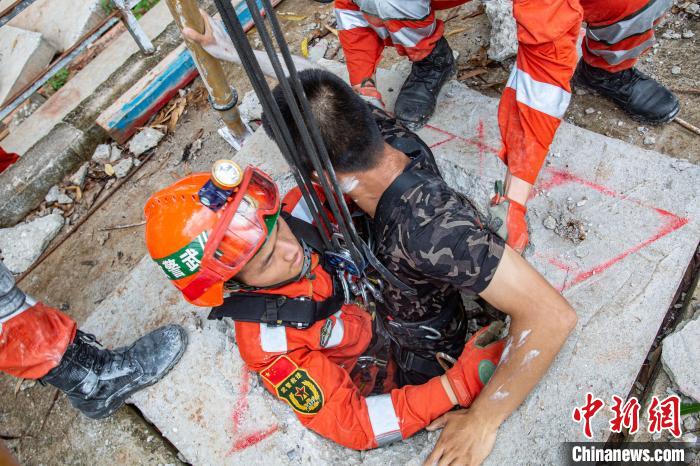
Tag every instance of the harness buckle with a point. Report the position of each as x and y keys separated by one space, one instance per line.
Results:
x=272 y=306
x=433 y=333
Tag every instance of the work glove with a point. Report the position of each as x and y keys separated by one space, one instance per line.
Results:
x=508 y=220
x=369 y=93
x=477 y=363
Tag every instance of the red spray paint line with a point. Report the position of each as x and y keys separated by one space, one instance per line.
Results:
x=240 y=409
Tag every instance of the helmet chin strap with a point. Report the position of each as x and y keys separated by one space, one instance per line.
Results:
x=233 y=286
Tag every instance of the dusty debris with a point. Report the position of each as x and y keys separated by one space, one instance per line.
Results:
x=146 y=139
x=318 y=50
x=571 y=229
x=503 y=42
x=115 y=154
x=122 y=168
x=102 y=153
x=676 y=69
x=680 y=357
x=649 y=140
x=250 y=108
x=22 y=244
x=78 y=178
x=549 y=223
x=590 y=110
x=52 y=195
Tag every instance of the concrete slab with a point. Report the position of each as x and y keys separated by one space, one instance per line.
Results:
x=61 y=22
x=643 y=226
x=84 y=84
x=23 y=56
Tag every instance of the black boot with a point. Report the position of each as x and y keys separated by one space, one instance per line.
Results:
x=641 y=97
x=416 y=101
x=97 y=380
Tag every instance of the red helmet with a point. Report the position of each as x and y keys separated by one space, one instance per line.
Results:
x=199 y=247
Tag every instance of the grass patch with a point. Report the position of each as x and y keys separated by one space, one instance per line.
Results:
x=143 y=6
x=58 y=80
x=107 y=6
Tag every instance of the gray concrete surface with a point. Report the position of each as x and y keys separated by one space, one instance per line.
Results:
x=61 y=22
x=85 y=83
x=22 y=244
x=24 y=185
x=641 y=226
x=23 y=55
x=681 y=358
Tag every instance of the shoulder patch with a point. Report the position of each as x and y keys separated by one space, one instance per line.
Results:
x=294 y=385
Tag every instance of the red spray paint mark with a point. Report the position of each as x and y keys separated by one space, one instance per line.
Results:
x=670 y=223
x=478 y=141
x=240 y=409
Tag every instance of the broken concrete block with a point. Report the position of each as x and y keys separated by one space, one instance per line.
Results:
x=122 y=168
x=78 y=178
x=681 y=358
x=23 y=56
x=102 y=153
x=115 y=155
x=21 y=245
x=148 y=138
x=61 y=22
x=52 y=195
x=503 y=42
x=318 y=50
x=24 y=185
x=64 y=199
x=250 y=108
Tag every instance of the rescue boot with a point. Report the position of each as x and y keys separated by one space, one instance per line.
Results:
x=640 y=96
x=476 y=365
x=98 y=381
x=416 y=101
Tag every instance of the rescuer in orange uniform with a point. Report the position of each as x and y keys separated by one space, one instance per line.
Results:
x=538 y=91
x=40 y=342
x=224 y=234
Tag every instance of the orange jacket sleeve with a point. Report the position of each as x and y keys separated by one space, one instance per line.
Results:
x=538 y=91
x=308 y=376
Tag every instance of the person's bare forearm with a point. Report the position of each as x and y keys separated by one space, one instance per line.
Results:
x=541 y=321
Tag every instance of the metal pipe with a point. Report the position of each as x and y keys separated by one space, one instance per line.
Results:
x=222 y=96
x=132 y=25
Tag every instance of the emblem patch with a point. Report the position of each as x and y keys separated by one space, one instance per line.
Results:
x=294 y=385
x=326 y=332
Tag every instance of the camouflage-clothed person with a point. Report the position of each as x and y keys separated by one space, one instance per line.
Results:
x=435 y=242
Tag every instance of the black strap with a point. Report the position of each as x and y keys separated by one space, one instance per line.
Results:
x=409 y=361
x=402 y=184
x=276 y=309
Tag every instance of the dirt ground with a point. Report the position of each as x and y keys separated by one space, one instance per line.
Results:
x=39 y=425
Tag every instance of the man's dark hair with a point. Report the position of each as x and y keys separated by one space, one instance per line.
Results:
x=347 y=126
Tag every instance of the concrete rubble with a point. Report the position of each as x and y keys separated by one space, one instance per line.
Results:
x=250 y=108
x=680 y=357
x=61 y=22
x=78 y=178
x=146 y=139
x=23 y=56
x=25 y=184
x=102 y=153
x=620 y=284
x=21 y=245
x=503 y=42
x=123 y=167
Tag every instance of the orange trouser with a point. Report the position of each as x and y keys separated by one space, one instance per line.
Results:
x=538 y=91
x=34 y=341
x=309 y=369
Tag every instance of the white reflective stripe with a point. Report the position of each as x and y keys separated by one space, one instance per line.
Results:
x=395 y=9
x=615 y=57
x=409 y=37
x=382 y=416
x=381 y=31
x=302 y=212
x=637 y=24
x=349 y=19
x=273 y=339
x=547 y=98
x=28 y=303
x=338 y=331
